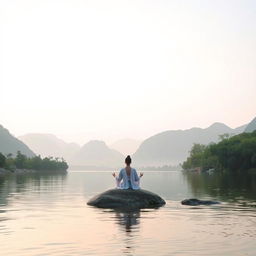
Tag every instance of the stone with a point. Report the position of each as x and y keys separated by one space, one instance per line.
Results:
x=126 y=199
x=195 y=202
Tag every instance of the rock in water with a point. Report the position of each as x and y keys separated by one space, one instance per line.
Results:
x=126 y=199
x=194 y=202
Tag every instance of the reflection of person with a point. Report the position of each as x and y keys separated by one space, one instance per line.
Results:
x=128 y=219
x=128 y=177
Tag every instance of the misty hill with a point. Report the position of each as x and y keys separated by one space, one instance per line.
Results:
x=10 y=144
x=97 y=153
x=239 y=129
x=172 y=147
x=49 y=145
x=251 y=126
x=126 y=146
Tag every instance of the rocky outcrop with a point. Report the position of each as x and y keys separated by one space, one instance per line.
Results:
x=127 y=199
x=195 y=202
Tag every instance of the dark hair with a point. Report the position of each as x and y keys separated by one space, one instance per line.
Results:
x=128 y=160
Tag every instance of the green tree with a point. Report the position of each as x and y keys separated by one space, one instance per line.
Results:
x=196 y=157
x=2 y=160
x=224 y=136
x=237 y=153
x=35 y=163
x=20 y=160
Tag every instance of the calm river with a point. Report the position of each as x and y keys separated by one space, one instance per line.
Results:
x=47 y=215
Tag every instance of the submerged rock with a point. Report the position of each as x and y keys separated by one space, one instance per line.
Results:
x=194 y=202
x=126 y=199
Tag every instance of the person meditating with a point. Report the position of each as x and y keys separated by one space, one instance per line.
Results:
x=128 y=177
x=128 y=196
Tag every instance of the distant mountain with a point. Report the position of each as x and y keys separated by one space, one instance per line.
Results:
x=96 y=153
x=172 y=147
x=251 y=126
x=126 y=146
x=49 y=145
x=240 y=129
x=10 y=144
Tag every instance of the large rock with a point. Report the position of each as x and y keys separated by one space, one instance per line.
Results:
x=127 y=199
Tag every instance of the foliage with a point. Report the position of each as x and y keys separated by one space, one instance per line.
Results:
x=196 y=157
x=20 y=160
x=2 y=160
x=34 y=163
x=234 y=153
x=224 y=136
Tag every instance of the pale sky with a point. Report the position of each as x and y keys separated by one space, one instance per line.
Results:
x=125 y=69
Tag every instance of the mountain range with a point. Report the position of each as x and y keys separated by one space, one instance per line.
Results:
x=126 y=146
x=49 y=145
x=172 y=147
x=97 y=153
x=166 y=148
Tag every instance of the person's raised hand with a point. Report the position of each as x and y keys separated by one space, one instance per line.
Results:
x=141 y=174
x=114 y=175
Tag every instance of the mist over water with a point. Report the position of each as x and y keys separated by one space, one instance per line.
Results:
x=43 y=214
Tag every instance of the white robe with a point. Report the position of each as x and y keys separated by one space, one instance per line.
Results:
x=122 y=181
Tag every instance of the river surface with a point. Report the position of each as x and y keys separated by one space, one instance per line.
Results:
x=43 y=214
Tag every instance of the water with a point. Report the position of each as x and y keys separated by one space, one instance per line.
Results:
x=47 y=215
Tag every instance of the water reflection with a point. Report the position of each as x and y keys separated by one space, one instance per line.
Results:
x=46 y=214
x=14 y=185
x=127 y=220
x=223 y=186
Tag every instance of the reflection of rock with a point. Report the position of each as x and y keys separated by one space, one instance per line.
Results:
x=194 y=201
x=128 y=219
x=127 y=198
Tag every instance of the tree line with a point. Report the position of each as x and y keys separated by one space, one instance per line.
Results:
x=237 y=153
x=21 y=161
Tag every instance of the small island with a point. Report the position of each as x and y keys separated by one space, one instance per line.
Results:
x=23 y=164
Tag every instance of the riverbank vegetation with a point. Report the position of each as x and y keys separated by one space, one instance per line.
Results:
x=237 y=153
x=36 y=163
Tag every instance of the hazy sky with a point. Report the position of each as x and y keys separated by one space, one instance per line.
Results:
x=125 y=69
